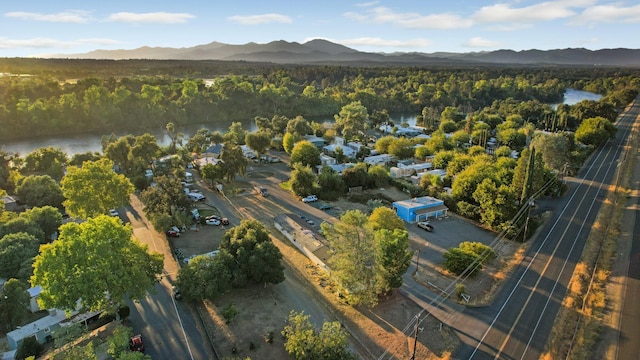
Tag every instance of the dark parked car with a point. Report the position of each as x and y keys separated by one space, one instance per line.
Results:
x=176 y=293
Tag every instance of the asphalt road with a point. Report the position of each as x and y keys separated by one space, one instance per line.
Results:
x=168 y=327
x=517 y=325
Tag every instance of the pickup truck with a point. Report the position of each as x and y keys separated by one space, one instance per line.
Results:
x=425 y=225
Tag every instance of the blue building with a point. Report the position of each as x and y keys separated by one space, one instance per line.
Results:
x=420 y=209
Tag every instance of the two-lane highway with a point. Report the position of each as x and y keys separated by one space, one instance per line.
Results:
x=518 y=324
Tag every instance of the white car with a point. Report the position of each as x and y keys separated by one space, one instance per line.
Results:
x=310 y=198
x=113 y=212
x=213 y=221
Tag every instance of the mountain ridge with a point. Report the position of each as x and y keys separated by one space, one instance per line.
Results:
x=320 y=51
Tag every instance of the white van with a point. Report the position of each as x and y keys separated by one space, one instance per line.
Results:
x=195 y=196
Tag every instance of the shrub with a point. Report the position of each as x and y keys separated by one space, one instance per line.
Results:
x=460 y=262
x=229 y=312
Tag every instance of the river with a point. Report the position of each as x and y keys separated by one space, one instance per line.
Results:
x=77 y=144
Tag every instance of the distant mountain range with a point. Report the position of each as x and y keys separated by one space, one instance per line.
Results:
x=326 y=52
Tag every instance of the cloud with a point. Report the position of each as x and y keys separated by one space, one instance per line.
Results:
x=544 y=11
x=609 y=14
x=378 y=42
x=479 y=42
x=381 y=15
x=367 y=4
x=69 y=16
x=260 y=19
x=41 y=43
x=156 y=17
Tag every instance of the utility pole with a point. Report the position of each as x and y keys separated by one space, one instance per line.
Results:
x=415 y=337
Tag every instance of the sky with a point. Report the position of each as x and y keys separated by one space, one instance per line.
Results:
x=44 y=27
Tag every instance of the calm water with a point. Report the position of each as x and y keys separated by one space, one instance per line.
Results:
x=77 y=144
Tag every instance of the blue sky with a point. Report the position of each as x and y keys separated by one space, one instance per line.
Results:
x=40 y=27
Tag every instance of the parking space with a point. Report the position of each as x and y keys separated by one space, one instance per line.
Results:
x=447 y=233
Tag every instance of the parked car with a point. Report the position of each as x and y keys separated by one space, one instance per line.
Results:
x=425 y=225
x=213 y=221
x=224 y=221
x=173 y=233
x=136 y=343
x=310 y=198
x=325 y=207
x=176 y=293
x=113 y=212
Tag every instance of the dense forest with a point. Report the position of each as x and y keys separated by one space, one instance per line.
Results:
x=53 y=97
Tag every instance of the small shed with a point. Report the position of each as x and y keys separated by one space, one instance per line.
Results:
x=420 y=209
x=10 y=203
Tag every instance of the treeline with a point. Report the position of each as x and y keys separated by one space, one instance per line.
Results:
x=49 y=104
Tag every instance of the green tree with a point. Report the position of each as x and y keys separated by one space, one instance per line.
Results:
x=236 y=134
x=22 y=224
x=299 y=126
x=401 y=148
x=356 y=176
x=212 y=173
x=302 y=342
x=461 y=262
x=382 y=144
x=305 y=153
x=94 y=188
x=119 y=152
x=555 y=149
x=352 y=120
x=385 y=218
x=392 y=257
x=29 y=347
x=303 y=181
x=145 y=149
x=47 y=218
x=379 y=175
x=167 y=198
x=17 y=251
x=258 y=142
x=330 y=184
x=206 y=277
x=97 y=263
x=353 y=262
x=595 y=131
x=289 y=141
x=40 y=190
x=234 y=162
x=14 y=304
x=255 y=257
x=79 y=159
x=48 y=160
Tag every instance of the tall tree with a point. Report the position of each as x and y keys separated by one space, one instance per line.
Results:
x=392 y=257
x=40 y=190
x=48 y=160
x=17 y=251
x=47 y=218
x=352 y=120
x=303 y=181
x=353 y=262
x=305 y=153
x=234 y=162
x=14 y=306
x=385 y=218
x=258 y=141
x=97 y=263
x=94 y=188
